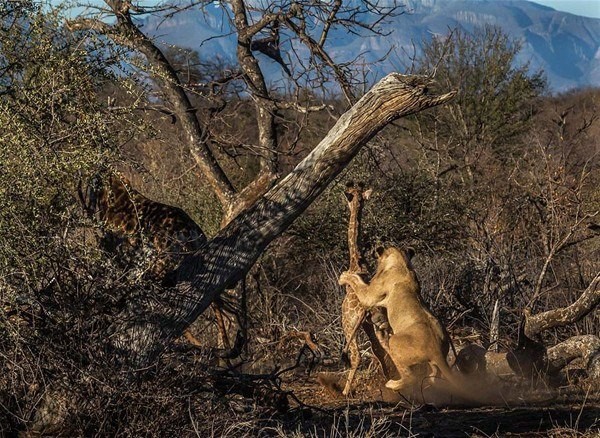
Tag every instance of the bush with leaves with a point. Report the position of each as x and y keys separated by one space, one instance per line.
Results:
x=59 y=292
x=56 y=287
x=458 y=184
x=520 y=176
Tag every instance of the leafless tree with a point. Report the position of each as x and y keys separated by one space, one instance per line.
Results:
x=256 y=214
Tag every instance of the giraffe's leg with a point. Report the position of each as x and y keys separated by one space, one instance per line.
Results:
x=352 y=317
x=234 y=320
x=354 y=364
x=192 y=339
x=351 y=334
x=223 y=337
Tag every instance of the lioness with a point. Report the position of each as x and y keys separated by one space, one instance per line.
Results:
x=419 y=344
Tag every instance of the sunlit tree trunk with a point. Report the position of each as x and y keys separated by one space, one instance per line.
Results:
x=150 y=321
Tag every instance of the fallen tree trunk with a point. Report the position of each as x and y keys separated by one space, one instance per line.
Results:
x=148 y=322
x=589 y=299
x=475 y=359
x=530 y=357
x=586 y=347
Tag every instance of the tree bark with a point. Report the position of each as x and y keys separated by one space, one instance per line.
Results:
x=589 y=299
x=148 y=322
x=266 y=111
x=125 y=32
x=265 y=108
x=586 y=347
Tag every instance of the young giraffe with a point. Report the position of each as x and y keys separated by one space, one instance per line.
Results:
x=166 y=232
x=353 y=313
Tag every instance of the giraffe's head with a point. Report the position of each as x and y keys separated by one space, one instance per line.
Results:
x=108 y=199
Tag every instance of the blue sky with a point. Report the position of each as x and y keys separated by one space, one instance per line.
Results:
x=587 y=8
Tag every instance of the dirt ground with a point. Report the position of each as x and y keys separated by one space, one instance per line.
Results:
x=570 y=411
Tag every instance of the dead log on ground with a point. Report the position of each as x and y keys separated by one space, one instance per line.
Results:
x=531 y=358
x=527 y=359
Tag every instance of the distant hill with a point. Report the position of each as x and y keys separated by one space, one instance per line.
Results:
x=565 y=46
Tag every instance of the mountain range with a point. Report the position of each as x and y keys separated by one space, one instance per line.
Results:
x=565 y=46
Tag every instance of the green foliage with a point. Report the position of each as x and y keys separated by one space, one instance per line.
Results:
x=481 y=154
x=457 y=186
x=464 y=149
x=56 y=288
x=427 y=183
x=495 y=101
x=54 y=132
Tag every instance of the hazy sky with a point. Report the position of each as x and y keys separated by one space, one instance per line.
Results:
x=587 y=8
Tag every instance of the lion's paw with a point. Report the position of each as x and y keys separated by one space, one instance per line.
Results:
x=394 y=385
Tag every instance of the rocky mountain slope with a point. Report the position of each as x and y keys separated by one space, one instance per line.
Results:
x=565 y=46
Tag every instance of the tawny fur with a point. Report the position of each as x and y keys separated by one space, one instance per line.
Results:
x=420 y=344
x=354 y=315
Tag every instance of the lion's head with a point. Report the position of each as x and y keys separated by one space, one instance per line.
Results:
x=395 y=258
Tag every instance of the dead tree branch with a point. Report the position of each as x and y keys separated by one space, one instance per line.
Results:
x=586 y=347
x=147 y=324
x=125 y=32
x=317 y=50
x=589 y=299
x=266 y=111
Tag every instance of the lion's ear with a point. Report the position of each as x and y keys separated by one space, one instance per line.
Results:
x=410 y=252
x=367 y=194
x=379 y=250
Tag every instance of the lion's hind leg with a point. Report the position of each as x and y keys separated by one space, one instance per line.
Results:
x=412 y=366
x=395 y=385
x=416 y=384
x=404 y=384
x=409 y=385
